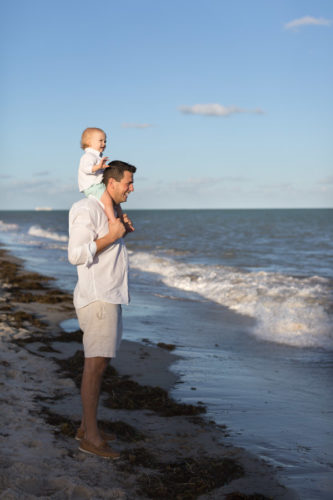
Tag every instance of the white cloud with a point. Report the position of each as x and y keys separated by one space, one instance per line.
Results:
x=216 y=110
x=136 y=125
x=307 y=21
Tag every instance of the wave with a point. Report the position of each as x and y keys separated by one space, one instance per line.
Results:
x=7 y=227
x=45 y=233
x=288 y=310
x=47 y=245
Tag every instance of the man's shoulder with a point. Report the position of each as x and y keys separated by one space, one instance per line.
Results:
x=90 y=204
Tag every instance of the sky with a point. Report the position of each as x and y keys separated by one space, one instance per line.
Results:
x=218 y=104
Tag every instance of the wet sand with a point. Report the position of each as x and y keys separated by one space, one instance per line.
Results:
x=168 y=449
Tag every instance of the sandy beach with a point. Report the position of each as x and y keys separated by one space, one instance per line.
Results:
x=168 y=449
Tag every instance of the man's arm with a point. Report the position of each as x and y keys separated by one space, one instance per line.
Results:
x=116 y=230
x=84 y=243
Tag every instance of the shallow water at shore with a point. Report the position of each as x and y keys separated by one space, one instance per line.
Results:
x=275 y=400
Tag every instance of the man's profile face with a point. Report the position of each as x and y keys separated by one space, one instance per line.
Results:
x=120 y=190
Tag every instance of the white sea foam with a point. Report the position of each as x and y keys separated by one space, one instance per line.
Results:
x=44 y=233
x=288 y=310
x=7 y=227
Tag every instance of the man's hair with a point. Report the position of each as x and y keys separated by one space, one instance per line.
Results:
x=86 y=135
x=116 y=170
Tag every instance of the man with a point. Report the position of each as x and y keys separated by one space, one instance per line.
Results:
x=97 y=248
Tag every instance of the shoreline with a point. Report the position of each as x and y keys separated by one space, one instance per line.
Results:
x=168 y=450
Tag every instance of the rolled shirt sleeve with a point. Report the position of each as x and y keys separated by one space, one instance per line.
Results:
x=81 y=247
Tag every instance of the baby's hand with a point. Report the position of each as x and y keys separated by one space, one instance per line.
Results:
x=102 y=163
x=128 y=223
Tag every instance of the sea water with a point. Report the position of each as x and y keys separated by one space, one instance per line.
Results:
x=246 y=296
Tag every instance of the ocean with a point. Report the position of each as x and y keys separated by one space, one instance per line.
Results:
x=246 y=297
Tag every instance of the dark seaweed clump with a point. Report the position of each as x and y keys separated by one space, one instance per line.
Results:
x=29 y=287
x=21 y=319
x=182 y=480
x=127 y=394
x=168 y=347
x=241 y=496
x=68 y=427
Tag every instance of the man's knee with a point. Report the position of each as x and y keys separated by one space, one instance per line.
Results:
x=96 y=365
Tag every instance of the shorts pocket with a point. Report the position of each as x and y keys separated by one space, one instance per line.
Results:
x=101 y=312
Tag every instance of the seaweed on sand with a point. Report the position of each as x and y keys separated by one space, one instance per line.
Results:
x=183 y=480
x=124 y=393
x=127 y=394
x=11 y=273
x=72 y=367
x=236 y=495
x=27 y=286
x=75 y=336
x=123 y=431
x=168 y=347
x=67 y=427
x=20 y=319
x=63 y=425
x=47 y=297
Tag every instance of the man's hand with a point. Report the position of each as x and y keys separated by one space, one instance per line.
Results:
x=116 y=230
x=128 y=224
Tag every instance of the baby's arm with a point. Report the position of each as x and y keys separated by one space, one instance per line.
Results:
x=101 y=165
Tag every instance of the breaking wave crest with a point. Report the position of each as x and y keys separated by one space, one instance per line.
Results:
x=8 y=227
x=288 y=310
x=43 y=233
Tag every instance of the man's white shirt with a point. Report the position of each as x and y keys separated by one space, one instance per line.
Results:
x=86 y=177
x=103 y=276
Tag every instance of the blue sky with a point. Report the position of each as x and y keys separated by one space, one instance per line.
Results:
x=219 y=104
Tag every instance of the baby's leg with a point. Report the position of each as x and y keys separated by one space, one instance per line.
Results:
x=108 y=206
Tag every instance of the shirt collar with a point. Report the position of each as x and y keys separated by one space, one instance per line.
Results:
x=94 y=151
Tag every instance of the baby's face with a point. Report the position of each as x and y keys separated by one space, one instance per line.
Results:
x=97 y=141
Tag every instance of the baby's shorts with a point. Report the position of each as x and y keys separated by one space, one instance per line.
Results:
x=96 y=190
x=102 y=326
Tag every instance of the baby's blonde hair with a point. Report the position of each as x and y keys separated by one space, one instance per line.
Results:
x=86 y=134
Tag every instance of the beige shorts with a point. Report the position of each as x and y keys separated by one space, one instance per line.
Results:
x=102 y=328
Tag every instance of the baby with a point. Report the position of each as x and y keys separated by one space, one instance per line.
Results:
x=92 y=164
